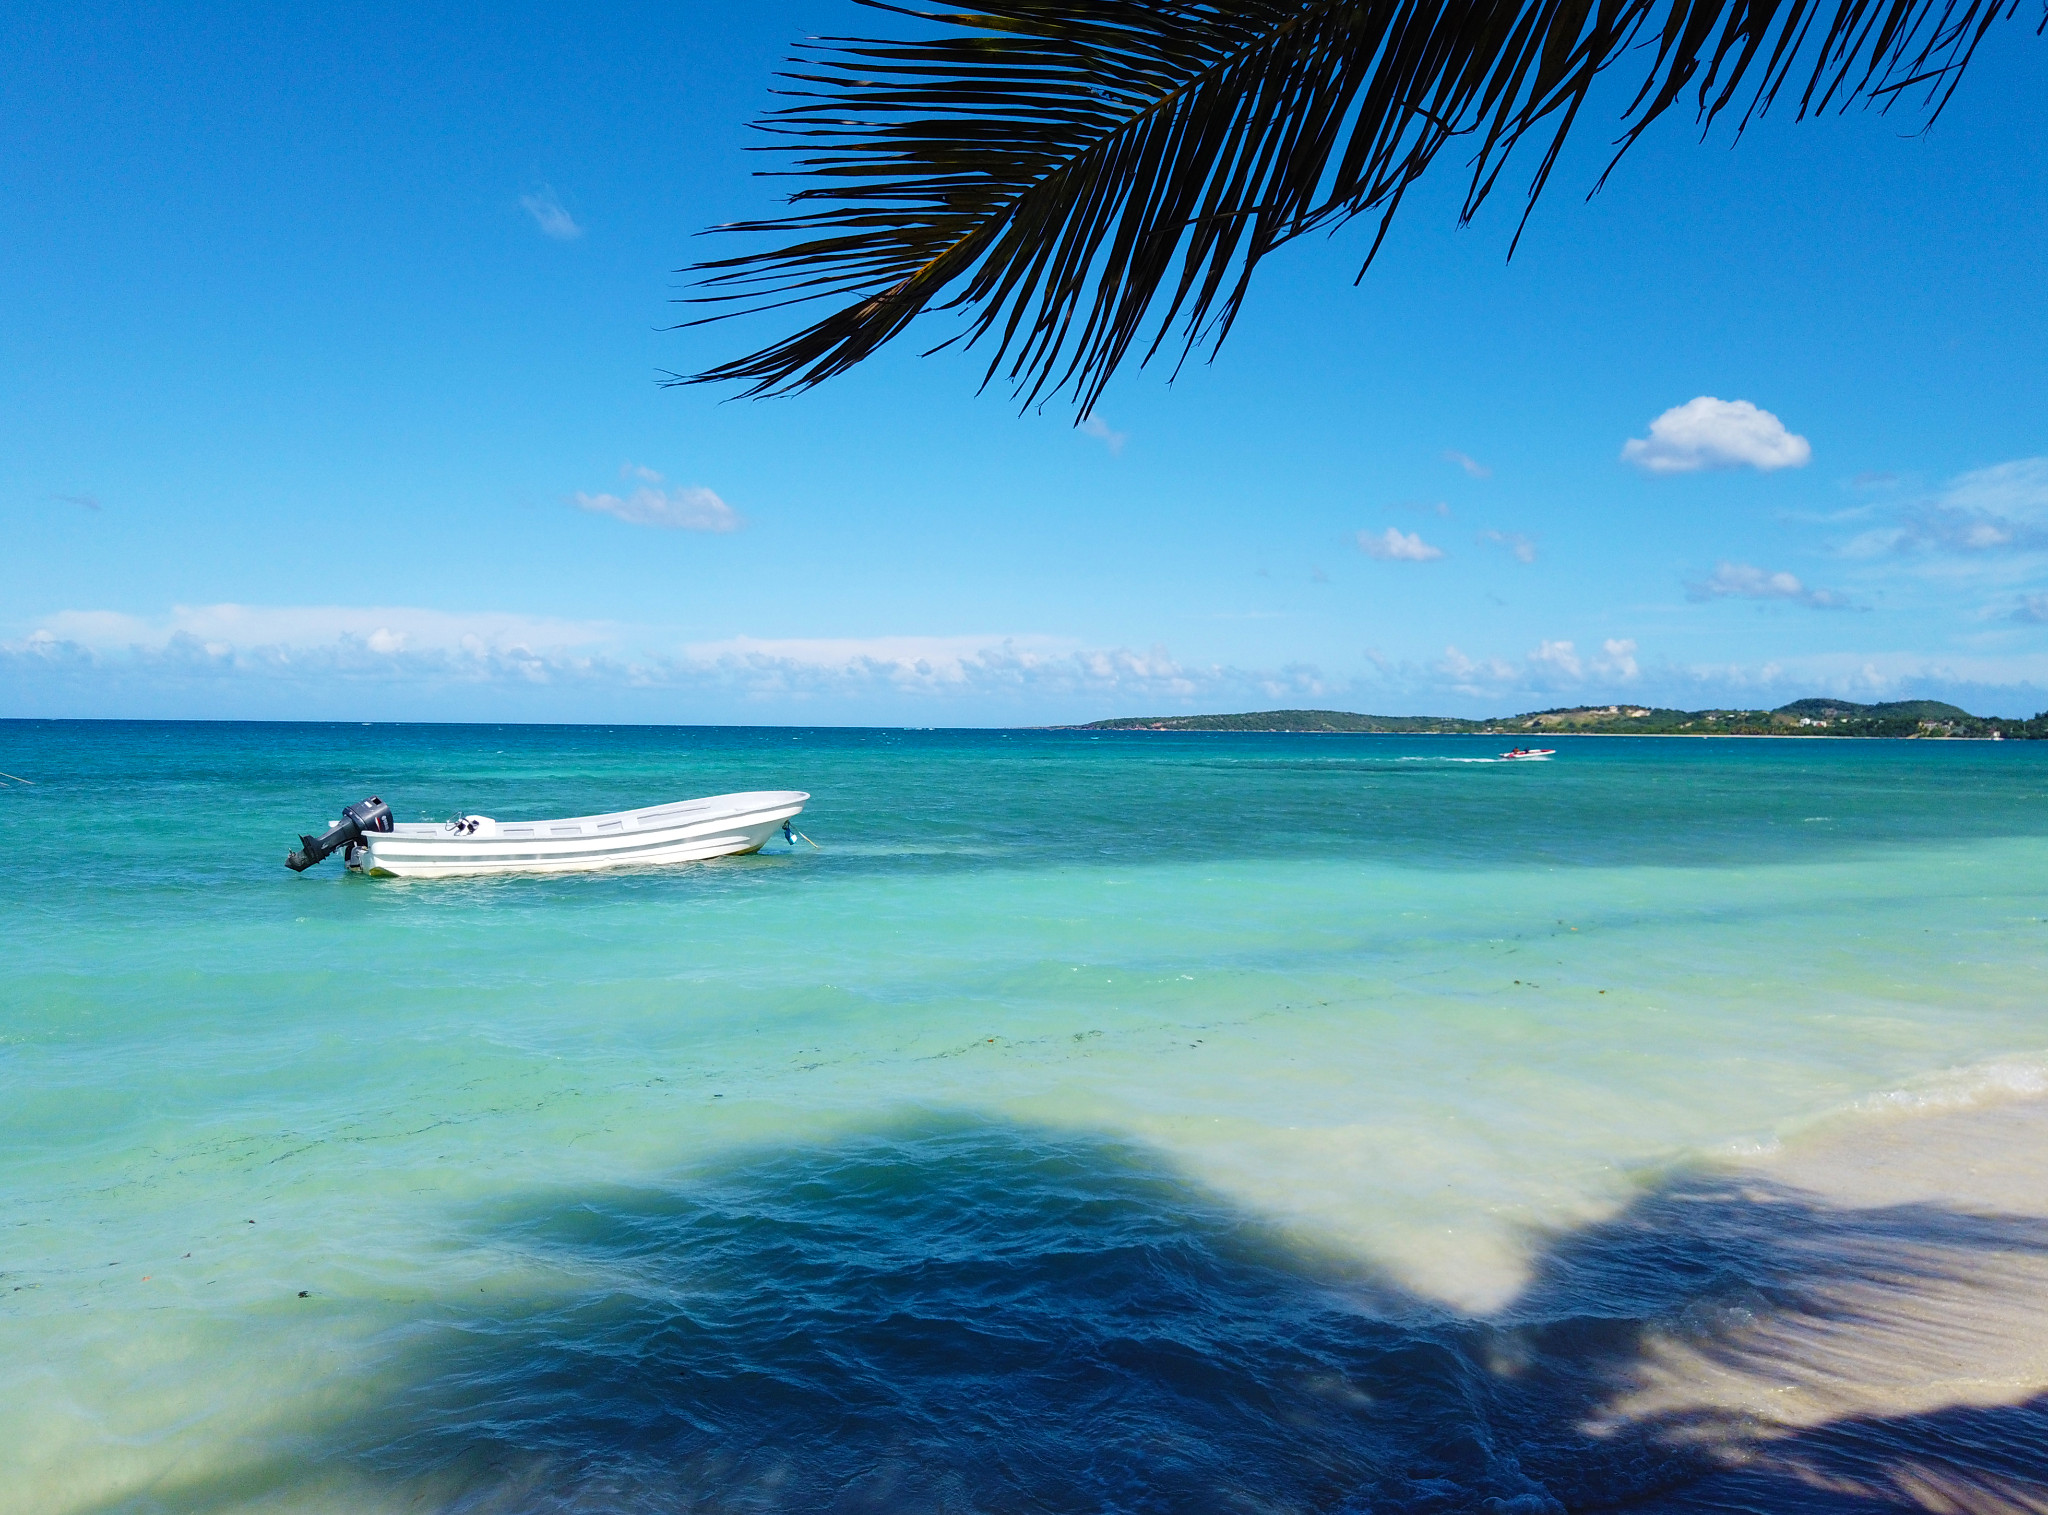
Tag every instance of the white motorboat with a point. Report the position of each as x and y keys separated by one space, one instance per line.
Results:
x=1527 y=754
x=684 y=831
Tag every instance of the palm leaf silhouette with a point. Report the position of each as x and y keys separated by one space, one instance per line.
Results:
x=1060 y=169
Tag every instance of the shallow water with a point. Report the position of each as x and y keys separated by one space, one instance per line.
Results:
x=1125 y=1122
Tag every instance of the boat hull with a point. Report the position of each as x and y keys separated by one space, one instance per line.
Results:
x=687 y=831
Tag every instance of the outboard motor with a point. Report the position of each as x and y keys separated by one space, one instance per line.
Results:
x=371 y=814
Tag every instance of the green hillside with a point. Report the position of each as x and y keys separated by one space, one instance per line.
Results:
x=1811 y=717
x=1912 y=710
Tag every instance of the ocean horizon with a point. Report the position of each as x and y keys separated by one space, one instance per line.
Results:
x=1091 y=1121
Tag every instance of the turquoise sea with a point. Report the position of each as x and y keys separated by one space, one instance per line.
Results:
x=1090 y=1123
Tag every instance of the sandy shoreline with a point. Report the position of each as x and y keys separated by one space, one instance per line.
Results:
x=1903 y=1362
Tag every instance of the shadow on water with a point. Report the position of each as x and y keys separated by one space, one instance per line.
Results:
x=954 y=1315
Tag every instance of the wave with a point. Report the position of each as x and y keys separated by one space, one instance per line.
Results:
x=1999 y=1081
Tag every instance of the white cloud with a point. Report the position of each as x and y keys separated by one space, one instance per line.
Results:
x=1098 y=428
x=2018 y=488
x=1523 y=547
x=550 y=215
x=389 y=647
x=1710 y=433
x=1747 y=582
x=964 y=667
x=1397 y=546
x=1472 y=466
x=403 y=662
x=691 y=508
x=929 y=661
x=1874 y=543
x=289 y=629
x=1553 y=667
x=1988 y=523
x=1558 y=659
x=338 y=648
x=1471 y=675
x=2005 y=685
x=2002 y=509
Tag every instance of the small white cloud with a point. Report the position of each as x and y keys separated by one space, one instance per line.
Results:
x=1745 y=581
x=913 y=659
x=2018 y=488
x=398 y=645
x=82 y=501
x=1471 y=675
x=1553 y=667
x=1711 y=433
x=1098 y=428
x=550 y=215
x=1396 y=546
x=1977 y=536
x=1524 y=548
x=1559 y=659
x=1875 y=542
x=2003 y=509
x=1472 y=466
x=291 y=629
x=685 y=508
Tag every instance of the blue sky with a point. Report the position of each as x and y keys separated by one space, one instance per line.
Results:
x=328 y=389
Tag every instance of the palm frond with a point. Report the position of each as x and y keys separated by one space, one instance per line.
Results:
x=1058 y=170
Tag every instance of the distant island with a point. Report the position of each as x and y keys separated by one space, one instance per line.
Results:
x=1899 y=718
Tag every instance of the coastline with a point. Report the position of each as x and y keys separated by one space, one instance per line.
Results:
x=1805 y=717
x=1683 y=736
x=1903 y=1361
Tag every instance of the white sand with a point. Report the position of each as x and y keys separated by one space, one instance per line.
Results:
x=1912 y=1370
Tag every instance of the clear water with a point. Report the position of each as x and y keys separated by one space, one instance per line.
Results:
x=1091 y=1123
